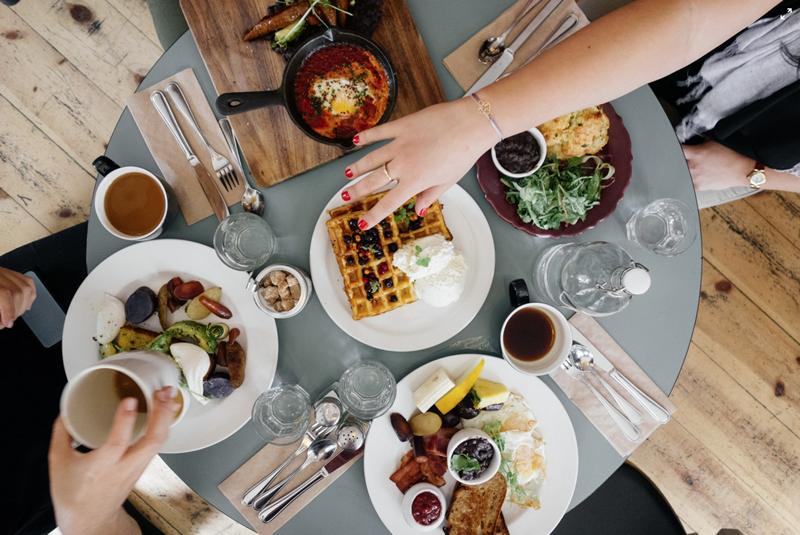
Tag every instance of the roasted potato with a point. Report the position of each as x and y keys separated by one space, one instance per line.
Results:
x=163 y=307
x=235 y=356
x=196 y=310
x=425 y=424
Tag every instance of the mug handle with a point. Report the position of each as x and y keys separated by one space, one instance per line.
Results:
x=104 y=165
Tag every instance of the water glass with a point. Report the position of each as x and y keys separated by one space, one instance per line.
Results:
x=244 y=241
x=282 y=414
x=367 y=389
x=666 y=227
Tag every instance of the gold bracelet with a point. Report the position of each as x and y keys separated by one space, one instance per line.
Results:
x=485 y=109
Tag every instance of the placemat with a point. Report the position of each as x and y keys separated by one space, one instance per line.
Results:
x=463 y=64
x=174 y=166
x=587 y=331
x=264 y=462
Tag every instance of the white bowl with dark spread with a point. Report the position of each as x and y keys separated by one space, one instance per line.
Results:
x=464 y=437
x=420 y=509
x=535 y=161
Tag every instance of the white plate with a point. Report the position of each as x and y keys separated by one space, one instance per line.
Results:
x=383 y=450
x=418 y=325
x=152 y=264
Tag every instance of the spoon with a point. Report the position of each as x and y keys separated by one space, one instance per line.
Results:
x=493 y=47
x=584 y=361
x=321 y=450
x=252 y=199
x=559 y=33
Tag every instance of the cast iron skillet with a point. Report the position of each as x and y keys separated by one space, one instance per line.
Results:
x=233 y=103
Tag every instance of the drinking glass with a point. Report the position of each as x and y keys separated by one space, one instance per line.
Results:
x=666 y=227
x=367 y=389
x=282 y=414
x=244 y=241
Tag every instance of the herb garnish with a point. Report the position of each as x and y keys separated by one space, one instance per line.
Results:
x=464 y=463
x=374 y=286
x=508 y=468
x=422 y=261
x=402 y=213
x=559 y=191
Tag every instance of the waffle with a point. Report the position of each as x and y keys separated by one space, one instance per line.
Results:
x=392 y=230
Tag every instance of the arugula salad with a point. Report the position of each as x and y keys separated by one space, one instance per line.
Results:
x=561 y=191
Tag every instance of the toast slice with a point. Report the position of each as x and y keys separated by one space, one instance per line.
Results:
x=500 y=528
x=475 y=509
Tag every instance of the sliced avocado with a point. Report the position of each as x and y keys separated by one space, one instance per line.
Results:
x=185 y=329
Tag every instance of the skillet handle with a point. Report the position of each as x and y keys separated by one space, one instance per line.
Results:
x=234 y=103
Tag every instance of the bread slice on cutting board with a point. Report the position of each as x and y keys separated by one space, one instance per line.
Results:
x=475 y=509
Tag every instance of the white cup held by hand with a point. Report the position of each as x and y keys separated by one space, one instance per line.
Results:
x=90 y=399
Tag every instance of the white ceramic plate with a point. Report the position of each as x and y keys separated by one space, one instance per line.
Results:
x=383 y=450
x=152 y=264
x=418 y=325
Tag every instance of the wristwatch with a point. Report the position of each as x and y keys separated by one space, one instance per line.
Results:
x=758 y=176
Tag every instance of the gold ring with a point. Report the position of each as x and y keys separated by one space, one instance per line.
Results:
x=386 y=172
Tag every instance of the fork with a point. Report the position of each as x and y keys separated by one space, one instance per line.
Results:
x=630 y=431
x=222 y=167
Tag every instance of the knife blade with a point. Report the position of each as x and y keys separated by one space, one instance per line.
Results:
x=268 y=513
x=659 y=413
x=501 y=64
x=213 y=194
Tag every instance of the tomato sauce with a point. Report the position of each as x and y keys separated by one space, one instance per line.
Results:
x=426 y=508
x=341 y=90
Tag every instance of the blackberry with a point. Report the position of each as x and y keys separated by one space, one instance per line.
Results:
x=414 y=225
x=369 y=296
x=347 y=239
x=388 y=234
x=350 y=261
x=393 y=299
x=353 y=224
x=378 y=254
x=392 y=247
x=362 y=261
x=388 y=283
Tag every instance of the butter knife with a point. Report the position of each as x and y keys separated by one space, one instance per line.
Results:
x=655 y=410
x=498 y=67
x=268 y=513
x=209 y=187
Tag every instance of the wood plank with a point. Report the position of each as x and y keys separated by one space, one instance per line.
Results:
x=97 y=39
x=275 y=149
x=752 y=348
x=760 y=261
x=173 y=507
x=49 y=184
x=782 y=210
x=67 y=106
x=704 y=491
x=137 y=12
x=19 y=227
x=736 y=428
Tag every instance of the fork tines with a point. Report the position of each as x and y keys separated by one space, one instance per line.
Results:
x=227 y=176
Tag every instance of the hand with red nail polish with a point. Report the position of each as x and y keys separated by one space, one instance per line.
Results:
x=345 y=196
x=423 y=212
x=348 y=173
x=362 y=224
x=356 y=140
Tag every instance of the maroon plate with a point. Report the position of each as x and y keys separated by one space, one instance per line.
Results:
x=617 y=152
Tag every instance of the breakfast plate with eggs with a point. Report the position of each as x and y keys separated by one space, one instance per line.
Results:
x=539 y=449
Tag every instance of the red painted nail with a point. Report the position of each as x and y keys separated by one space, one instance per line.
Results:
x=355 y=140
x=348 y=173
x=345 y=195
x=362 y=224
x=423 y=212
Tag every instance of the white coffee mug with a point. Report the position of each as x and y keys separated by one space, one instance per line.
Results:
x=109 y=172
x=90 y=400
x=557 y=354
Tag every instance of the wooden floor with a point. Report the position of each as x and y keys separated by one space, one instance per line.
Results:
x=729 y=457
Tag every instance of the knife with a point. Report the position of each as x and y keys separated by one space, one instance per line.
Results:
x=658 y=412
x=501 y=64
x=209 y=187
x=268 y=513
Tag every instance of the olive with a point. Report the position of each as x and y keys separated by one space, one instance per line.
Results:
x=466 y=409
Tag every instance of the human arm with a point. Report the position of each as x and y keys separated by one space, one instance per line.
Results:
x=715 y=167
x=88 y=489
x=638 y=43
x=17 y=293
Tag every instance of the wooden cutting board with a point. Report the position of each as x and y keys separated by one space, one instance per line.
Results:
x=275 y=149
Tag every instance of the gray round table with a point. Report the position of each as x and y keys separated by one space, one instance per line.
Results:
x=655 y=329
